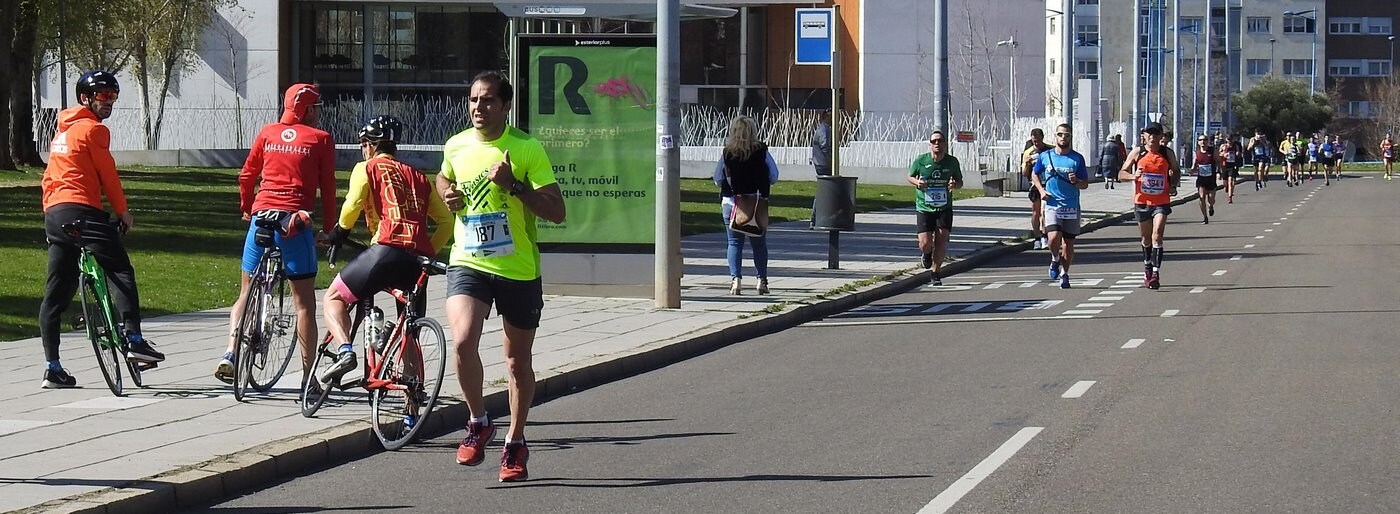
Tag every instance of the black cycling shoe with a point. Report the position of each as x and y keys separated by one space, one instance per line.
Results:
x=342 y=365
x=142 y=351
x=59 y=379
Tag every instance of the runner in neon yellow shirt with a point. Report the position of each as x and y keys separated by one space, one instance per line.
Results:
x=497 y=179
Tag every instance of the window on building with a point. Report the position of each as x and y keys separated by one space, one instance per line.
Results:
x=1380 y=26
x=1191 y=23
x=1344 y=67
x=1257 y=24
x=1257 y=67
x=1297 y=66
x=1086 y=33
x=1087 y=69
x=1087 y=2
x=1299 y=25
x=1378 y=68
x=1356 y=109
x=1344 y=25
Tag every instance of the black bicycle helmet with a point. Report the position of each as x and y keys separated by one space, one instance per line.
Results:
x=95 y=80
x=382 y=128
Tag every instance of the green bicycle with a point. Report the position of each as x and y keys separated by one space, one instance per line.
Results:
x=99 y=317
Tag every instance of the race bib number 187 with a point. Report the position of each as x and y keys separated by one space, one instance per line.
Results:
x=487 y=235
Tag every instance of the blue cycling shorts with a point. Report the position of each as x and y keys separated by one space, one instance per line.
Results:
x=298 y=253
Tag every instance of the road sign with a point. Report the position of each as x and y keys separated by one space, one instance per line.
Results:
x=814 y=33
x=555 y=10
x=965 y=136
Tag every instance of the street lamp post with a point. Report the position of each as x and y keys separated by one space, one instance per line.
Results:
x=1312 y=79
x=1271 y=56
x=1011 y=43
x=1391 y=38
x=1122 y=114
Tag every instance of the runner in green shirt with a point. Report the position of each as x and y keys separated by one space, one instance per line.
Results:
x=934 y=176
x=497 y=179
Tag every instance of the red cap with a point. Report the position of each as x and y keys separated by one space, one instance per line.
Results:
x=298 y=100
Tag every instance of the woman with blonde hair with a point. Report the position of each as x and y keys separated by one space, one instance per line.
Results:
x=746 y=169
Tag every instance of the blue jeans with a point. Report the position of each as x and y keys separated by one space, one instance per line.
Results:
x=736 y=248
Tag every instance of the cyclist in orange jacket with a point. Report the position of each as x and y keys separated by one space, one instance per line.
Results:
x=80 y=173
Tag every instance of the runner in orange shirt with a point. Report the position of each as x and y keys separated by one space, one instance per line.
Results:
x=1155 y=180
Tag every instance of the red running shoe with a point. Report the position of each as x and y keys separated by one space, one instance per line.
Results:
x=513 y=460
x=473 y=448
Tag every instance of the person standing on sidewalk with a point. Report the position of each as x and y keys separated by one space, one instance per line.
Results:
x=80 y=173
x=1110 y=159
x=290 y=161
x=498 y=179
x=745 y=170
x=821 y=156
x=1204 y=165
x=1388 y=155
x=821 y=145
x=1033 y=149
x=1263 y=154
x=1060 y=175
x=935 y=175
x=1155 y=176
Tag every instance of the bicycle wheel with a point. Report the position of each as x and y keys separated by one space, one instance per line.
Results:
x=249 y=336
x=313 y=395
x=101 y=332
x=134 y=370
x=414 y=364
x=279 y=336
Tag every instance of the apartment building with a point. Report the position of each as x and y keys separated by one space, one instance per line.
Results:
x=1242 y=43
x=1360 y=51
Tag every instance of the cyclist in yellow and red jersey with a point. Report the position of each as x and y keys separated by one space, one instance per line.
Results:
x=290 y=161
x=1155 y=179
x=80 y=173
x=402 y=201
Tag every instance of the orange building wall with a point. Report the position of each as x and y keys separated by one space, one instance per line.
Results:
x=782 y=73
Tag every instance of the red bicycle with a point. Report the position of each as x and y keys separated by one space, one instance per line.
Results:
x=403 y=365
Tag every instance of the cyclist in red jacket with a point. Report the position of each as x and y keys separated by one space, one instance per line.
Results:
x=290 y=161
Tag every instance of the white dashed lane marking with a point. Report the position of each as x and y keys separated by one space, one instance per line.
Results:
x=1170 y=312
x=945 y=500
x=1133 y=343
x=1078 y=389
x=1196 y=290
x=1217 y=273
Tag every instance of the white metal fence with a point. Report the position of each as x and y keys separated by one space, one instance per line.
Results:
x=876 y=140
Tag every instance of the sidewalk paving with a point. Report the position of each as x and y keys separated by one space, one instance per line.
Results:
x=183 y=440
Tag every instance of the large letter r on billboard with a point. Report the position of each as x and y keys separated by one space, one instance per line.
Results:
x=578 y=77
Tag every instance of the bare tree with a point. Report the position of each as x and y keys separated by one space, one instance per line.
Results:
x=7 y=32
x=162 y=41
x=21 y=83
x=237 y=71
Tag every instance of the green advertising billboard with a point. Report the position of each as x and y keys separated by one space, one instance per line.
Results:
x=590 y=101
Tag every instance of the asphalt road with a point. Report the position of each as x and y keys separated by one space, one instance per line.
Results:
x=1260 y=378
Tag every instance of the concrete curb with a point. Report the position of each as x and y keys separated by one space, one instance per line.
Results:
x=198 y=484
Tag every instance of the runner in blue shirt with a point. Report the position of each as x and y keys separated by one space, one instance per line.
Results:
x=1059 y=176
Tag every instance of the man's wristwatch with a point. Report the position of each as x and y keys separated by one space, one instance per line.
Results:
x=517 y=188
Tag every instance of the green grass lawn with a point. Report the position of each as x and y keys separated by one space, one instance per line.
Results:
x=188 y=236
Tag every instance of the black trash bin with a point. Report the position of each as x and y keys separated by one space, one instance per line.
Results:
x=835 y=205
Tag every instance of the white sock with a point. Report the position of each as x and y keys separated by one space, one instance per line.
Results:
x=484 y=420
x=510 y=441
